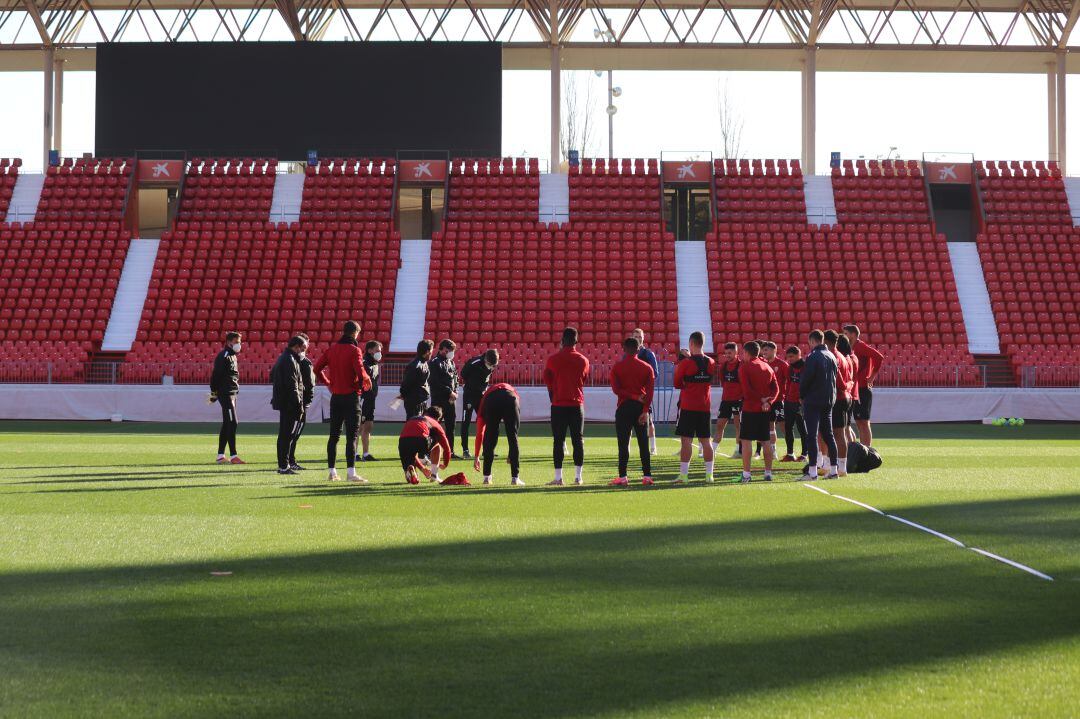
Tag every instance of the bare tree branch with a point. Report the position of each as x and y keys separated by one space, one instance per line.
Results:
x=731 y=123
x=579 y=110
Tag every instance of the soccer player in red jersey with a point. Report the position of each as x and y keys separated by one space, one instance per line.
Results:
x=731 y=397
x=793 y=419
x=841 y=412
x=565 y=375
x=693 y=378
x=632 y=381
x=760 y=392
x=423 y=443
x=780 y=369
x=870 y=361
x=499 y=404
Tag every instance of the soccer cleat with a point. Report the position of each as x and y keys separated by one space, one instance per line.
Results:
x=788 y=458
x=841 y=473
x=682 y=479
x=357 y=479
x=833 y=475
x=516 y=482
x=237 y=460
x=709 y=479
x=807 y=478
x=745 y=479
x=646 y=482
x=801 y=458
x=333 y=476
x=465 y=454
x=410 y=476
x=296 y=467
x=555 y=483
x=455 y=455
x=222 y=460
x=619 y=482
x=368 y=458
x=579 y=482
x=488 y=481
x=768 y=476
x=287 y=470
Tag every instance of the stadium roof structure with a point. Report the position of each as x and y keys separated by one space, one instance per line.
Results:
x=1001 y=36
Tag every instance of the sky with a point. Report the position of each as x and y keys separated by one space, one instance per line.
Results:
x=858 y=114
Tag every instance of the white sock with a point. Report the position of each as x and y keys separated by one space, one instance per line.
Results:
x=715 y=445
x=577 y=471
x=487 y=478
x=821 y=460
x=652 y=444
x=826 y=467
x=221 y=456
x=708 y=469
x=684 y=467
x=352 y=471
x=558 y=474
x=745 y=473
x=842 y=463
x=812 y=471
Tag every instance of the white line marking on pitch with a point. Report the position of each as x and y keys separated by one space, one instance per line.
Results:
x=947 y=538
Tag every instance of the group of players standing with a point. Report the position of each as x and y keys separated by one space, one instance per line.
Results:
x=815 y=396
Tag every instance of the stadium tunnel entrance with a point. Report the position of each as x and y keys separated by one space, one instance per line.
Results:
x=688 y=211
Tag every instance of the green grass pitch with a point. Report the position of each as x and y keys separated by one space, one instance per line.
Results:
x=394 y=601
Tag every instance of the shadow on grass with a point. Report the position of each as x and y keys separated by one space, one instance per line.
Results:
x=548 y=626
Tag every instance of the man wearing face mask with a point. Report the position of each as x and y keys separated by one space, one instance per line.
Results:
x=475 y=378
x=443 y=383
x=414 y=390
x=224 y=386
x=307 y=374
x=288 y=399
x=372 y=357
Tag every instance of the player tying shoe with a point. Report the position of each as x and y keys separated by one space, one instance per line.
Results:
x=780 y=369
x=632 y=381
x=793 y=418
x=500 y=403
x=693 y=378
x=760 y=392
x=423 y=446
x=731 y=398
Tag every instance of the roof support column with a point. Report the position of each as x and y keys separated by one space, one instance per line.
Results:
x=58 y=106
x=1061 y=155
x=809 y=111
x=1051 y=111
x=556 y=90
x=47 y=71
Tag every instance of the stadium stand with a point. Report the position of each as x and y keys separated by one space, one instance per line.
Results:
x=908 y=298
x=759 y=191
x=514 y=283
x=9 y=173
x=621 y=190
x=60 y=272
x=230 y=189
x=486 y=189
x=1023 y=192
x=1027 y=247
x=880 y=191
x=349 y=190
x=269 y=280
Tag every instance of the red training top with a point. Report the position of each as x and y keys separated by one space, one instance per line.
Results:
x=845 y=376
x=758 y=383
x=565 y=375
x=729 y=380
x=869 y=361
x=632 y=379
x=780 y=369
x=345 y=362
x=428 y=427
x=855 y=364
x=481 y=425
x=693 y=376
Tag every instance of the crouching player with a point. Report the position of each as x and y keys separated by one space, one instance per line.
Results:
x=423 y=445
x=500 y=403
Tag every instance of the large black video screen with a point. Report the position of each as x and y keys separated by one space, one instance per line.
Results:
x=284 y=98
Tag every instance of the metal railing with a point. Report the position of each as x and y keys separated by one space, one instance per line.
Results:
x=519 y=374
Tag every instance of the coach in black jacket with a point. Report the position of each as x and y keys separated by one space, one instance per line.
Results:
x=307 y=374
x=288 y=399
x=414 y=384
x=224 y=386
x=443 y=381
x=475 y=377
x=817 y=391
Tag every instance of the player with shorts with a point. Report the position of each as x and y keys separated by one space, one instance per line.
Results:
x=841 y=412
x=730 y=398
x=793 y=419
x=870 y=361
x=423 y=446
x=780 y=369
x=693 y=378
x=760 y=392
x=372 y=357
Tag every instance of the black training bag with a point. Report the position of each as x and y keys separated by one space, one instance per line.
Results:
x=861 y=458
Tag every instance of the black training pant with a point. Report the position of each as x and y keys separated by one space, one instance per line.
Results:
x=296 y=436
x=501 y=406
x=470 y=403
x=793 y=420
x=289 y=423
x=415 y=409
x=449 y=419
x=563 y=419
x=344 y=412
x=819 y=421
x=626 y=421
x=227 y=435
